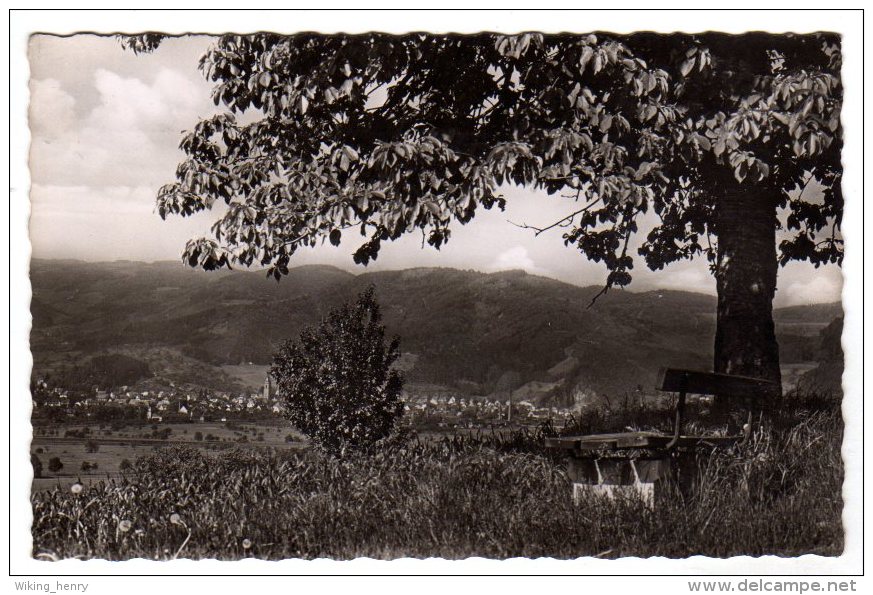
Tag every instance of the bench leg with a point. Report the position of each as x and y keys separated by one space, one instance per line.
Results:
x=612 y=478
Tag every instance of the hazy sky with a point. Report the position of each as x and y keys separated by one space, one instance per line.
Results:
x=105 y=131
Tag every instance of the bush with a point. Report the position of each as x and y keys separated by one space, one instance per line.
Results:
x=55 y=464
x=198 y=436
x=162 y=434
x=337 y=381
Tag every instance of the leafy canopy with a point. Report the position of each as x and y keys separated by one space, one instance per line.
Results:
x=387 y=135
x=337 y=380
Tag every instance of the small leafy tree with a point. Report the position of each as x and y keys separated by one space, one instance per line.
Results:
x=337 y=380
x=55 y=464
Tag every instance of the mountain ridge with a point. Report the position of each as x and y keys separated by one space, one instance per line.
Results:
x=477 y=333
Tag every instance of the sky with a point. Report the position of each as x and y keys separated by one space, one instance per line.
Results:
x=105 y=126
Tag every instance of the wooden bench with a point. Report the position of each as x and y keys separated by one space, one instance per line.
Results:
x=607 y=462
x=684 y=382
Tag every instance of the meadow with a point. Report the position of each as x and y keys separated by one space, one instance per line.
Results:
x=495 y=495
x=113 y=449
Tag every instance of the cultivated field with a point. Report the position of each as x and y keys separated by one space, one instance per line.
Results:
x=114 y=448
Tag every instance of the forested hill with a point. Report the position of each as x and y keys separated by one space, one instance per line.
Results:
x=470 y=331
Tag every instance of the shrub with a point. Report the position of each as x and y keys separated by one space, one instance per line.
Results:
x=337 y=380
x=198 y=436
x=55 y=464
x=162 y=434
x=172 y=461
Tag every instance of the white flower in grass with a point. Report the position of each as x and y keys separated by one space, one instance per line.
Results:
x=77 y=488
x=124 y=526
x=246 y=543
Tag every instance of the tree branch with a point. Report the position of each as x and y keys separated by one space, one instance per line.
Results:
x=563 y=222
x=629 y=215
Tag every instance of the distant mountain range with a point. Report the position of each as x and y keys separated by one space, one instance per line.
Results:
x=466 y=331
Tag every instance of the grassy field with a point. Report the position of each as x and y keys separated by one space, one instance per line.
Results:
x=493 y=495
x=251 y=376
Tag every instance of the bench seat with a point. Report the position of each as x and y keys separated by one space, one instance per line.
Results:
x=635 y=440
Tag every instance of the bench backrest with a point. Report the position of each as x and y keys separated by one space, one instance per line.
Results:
x=709 y=383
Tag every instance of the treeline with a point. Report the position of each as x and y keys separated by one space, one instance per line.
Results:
x=103 y=371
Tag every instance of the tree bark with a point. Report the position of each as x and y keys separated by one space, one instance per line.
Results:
x=745 y=338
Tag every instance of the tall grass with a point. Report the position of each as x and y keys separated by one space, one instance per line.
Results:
x=493 y=495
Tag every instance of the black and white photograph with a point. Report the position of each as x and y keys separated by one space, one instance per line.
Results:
x=564 y=292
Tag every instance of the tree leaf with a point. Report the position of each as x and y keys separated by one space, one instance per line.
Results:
x=335 y=237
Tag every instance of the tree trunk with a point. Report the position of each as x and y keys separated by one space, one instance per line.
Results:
x=745 y=338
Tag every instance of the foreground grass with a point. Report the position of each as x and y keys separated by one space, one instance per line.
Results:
x=494 y=497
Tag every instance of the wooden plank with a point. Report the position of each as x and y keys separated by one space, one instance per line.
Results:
x=710 y=383
x=615 y=436
x=561 y=443
x=635 y=440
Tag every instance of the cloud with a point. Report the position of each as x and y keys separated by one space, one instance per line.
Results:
x=59 y=201
x=52 y=110
x=824 y=285
x=129 y=137
x=691 y=275
x=129 y=103
x=516 y=257
x=108 y=223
